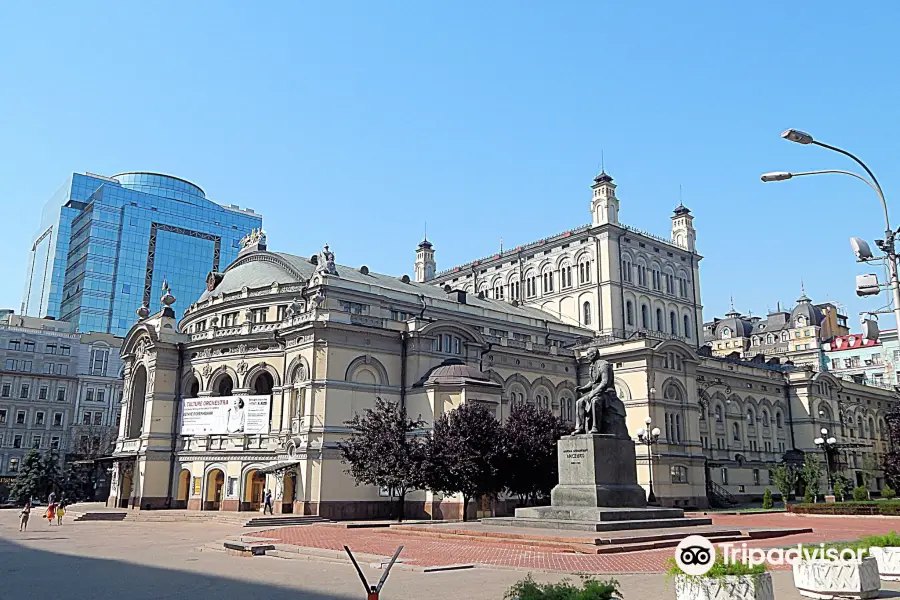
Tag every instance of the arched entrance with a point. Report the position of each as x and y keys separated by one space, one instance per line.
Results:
x=254 y=490
x=138 y=399
x=223 y=385
x=290 y=484
x=191 y=386
x=215 y=484
x=263 y=384
x=184 y=489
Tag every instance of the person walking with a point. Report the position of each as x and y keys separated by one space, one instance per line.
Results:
x=268 y=503
x=23 y=517
x=51 y=513
x=60 y=512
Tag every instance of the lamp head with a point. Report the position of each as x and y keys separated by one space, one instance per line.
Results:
x=797 y=136
x=823 y=431
x=640 y=432
x=776 y=176
x=818 y=441
x=832 y=440
x=648 y=420
x=655 y=433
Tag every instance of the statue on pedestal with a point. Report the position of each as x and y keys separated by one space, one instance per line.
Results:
x=600 y=410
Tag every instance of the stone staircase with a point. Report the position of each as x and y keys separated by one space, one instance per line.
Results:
x=239 y=519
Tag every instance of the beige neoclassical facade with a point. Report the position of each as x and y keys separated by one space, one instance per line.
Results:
x=286 y=349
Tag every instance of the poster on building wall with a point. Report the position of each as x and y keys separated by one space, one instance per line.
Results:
x=226 y=415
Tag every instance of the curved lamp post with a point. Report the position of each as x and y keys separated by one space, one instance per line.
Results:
x=828 y=444
x=887 y=244
x=648 y=437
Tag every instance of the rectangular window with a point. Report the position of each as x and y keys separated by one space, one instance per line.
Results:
x=100 y=359
x=42 y=393
x=36 y=442
x=50 y=348
x=118 y=419
x=14 y=344
x=14 y=462
x=724 y=475
x=29 y=346
x=98 y=418
x=679 y=474
x=230 y=319
x=89 y=394
x=86 y=418
x=4 y=392
x=755 y=476
x=57 y=419
x=62 y=369
x=61 y=394
x=281 y=313
x=200 y=326
x=23 y=391
x=2 y=416
x=17 y=441
x=20 y=417
x=26 y=366
x=54 y=442
x=39 y=417
x=48 y=368
x=259 y=315
x=65 y=350
x=10 y=364
x=100 y=395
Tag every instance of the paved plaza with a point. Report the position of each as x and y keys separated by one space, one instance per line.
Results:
x=145 y=560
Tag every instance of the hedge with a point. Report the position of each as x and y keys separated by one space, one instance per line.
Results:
x=848 y=508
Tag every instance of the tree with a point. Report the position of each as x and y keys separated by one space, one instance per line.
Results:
x=464 y=453
x=811 y=473
x=842 y=485
x=785 y=478
x=887 y=492
x=38 y=476
x=530 y=467
x=385 y=449
x=767 y=499
x=869 y=470
x=85 y=444
x=891 y=465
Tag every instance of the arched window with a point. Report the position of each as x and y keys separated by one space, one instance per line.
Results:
x=736 y=432
x=548 y=282
x=659 y=320
x=225 y=385
x=755 y=341
x=192 y=386
x=655 y=276
x=687 y=327
x=498 y=290
x=645 y=317
x=137 y=401
x=673 y=323
x=627 y=270
x=629 y=313
x=751 y=418
x=779 y=423
x=726 y=333
x=871 y=428
x=859 y=426
x=718 y=413
x=263 y=384
x=765 y=418
x=784 y=336
x=770 y=339
x=586 y=309
x=584 y=271
x=678 y=428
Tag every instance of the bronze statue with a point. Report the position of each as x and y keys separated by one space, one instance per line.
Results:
x=600 y=410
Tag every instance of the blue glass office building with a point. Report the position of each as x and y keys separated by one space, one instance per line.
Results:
x=106 y=244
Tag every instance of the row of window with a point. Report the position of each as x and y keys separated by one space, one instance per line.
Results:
x=39 y=417
x=721 y=444
x=37 y=439
x=660 y=322
x=545 y=282
x=751 y=417
x=448 y=344
x=656 y=279
x=29 y=346
x=25 y=366
x=25 y=391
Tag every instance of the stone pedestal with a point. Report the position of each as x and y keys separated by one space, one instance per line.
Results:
x=597 y=491
x=597 y=470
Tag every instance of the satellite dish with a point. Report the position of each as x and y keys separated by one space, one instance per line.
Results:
x=861 y=248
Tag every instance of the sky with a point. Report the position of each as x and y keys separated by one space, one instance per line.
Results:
x=355 y=123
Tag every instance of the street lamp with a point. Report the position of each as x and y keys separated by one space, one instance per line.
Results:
x=887 y=244
x=828 y=444
x=648 y=437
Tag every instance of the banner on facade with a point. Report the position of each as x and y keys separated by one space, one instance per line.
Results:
x=225 y=415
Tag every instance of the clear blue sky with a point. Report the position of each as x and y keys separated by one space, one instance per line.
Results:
x=353 y=123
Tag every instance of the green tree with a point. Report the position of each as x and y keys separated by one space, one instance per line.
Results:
x=887 y=492
x=785 y=478
x=860 y=494
x=464 y=454
x=530 y=468
x=811 y=473
x=38 y=476
x=767 y=499
x=384 y=449
x=842 y=485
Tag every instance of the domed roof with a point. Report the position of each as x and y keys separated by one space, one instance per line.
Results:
x=251 y=274
x=453 y=370
x=805 y=309
x=736 y=325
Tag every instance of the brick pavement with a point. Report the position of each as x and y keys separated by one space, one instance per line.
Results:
x=426 y=551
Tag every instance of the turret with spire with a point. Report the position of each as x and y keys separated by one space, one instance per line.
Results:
x=683 y=233
x=425 y=265
x=604 y=204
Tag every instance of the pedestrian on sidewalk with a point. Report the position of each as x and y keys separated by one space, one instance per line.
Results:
x=51 y=513
x=60 y=512
x=268 y=503
x=23 y=516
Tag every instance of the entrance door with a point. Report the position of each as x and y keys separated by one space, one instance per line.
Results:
x=257 y=491
x=217 y=498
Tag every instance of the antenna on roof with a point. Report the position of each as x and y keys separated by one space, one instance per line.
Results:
x=425 y=234
x=602 y=162
x=501 y=245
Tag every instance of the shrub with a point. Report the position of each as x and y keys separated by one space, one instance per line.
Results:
x=860 y=494
x=719 y=569
x=887 y=492
x=590 y=589
x=888 y=508
x=881 y=541
x=767 y=499
x=808 y=497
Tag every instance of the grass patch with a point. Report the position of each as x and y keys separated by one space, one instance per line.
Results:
x=590 y=589
x=719 y=569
